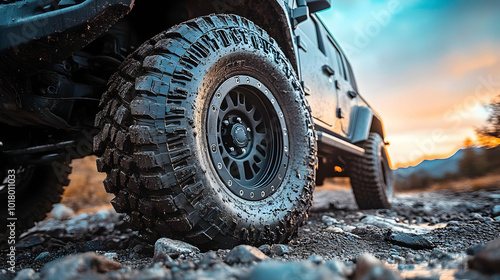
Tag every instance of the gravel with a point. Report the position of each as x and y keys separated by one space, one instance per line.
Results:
x=338 y=242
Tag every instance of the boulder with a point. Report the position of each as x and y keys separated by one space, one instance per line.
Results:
x=488 y=259
x=75 y=266
x=244 y=254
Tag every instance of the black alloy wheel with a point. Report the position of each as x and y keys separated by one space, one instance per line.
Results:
x=248 y=138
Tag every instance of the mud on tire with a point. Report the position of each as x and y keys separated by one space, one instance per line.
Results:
x=371 y=175
x=185 y=152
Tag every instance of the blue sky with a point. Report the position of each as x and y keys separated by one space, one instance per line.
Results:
x=426 y=66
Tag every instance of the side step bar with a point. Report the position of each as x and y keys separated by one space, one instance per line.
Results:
x=334 y=142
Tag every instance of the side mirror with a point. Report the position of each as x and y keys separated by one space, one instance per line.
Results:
x=318 y=5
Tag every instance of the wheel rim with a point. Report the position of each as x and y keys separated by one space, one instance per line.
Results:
x=247 y=138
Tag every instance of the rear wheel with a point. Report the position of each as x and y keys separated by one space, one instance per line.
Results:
x=206 y=136
x=34 y=188
x=371 y=175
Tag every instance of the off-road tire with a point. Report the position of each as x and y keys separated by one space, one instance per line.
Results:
x=155 y=149
x=371 y=175
x=36 y=191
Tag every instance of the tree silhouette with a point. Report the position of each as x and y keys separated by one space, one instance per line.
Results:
x=492 y=127
x=472 y=163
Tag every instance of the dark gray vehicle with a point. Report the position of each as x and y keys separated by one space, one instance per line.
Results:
x=213 y=120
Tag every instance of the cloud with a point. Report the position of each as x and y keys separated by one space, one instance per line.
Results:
x=425 y=70
x=461 y=64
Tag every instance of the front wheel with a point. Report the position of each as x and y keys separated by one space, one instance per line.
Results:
x=371 y=175
x=206 y=136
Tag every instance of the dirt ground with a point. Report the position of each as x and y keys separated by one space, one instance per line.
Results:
x=452 y=224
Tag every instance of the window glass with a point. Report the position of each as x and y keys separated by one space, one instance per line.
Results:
x=309 y=29
x=319 y=34
x=351 y=77
x=343 y=67
x=340 y=64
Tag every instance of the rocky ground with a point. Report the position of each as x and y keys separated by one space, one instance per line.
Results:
x=431 y=235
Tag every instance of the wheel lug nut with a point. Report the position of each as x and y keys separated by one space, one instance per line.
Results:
x=243 y=150
x=231 y=149
x=225 y=122
x=248 y=129
x=238 y=119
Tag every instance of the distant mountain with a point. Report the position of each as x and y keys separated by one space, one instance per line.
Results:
x=436 y=168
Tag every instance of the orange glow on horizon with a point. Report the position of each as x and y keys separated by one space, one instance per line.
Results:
x=425 y=157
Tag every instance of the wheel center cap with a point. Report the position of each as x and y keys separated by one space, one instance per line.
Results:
x=239 y=134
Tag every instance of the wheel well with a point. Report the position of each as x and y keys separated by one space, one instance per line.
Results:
x=150 y=18
x=377 y=127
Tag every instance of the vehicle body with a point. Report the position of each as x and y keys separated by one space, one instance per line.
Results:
x=57 y=60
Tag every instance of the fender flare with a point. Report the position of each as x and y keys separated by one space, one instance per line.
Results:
x=367 y=121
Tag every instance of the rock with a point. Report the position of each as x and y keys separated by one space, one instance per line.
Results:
x=364 y=264
x=369 y=267
x=398 y=259
x=26 y=274
x=336 y=266
x=30 y=241
x=496 y=211
x=348 y=228
x=440 y=255
x=280 y=249
x=111 y=255
x=334 y=229
x=266 y=249
x=316 y=259
x=62 y=212
x=271 y=270
x=157 y=271
x=329 y=221
x=488 y=259
x=218 y=271
x=244 y=254
x=43 y=257
x=476 y=216
x=102 y=215
x=154 y=272
x=71 y=267
x=166 y=247
x=77 y=226
x=410 y=241
x=391 y=224
x=474 y=250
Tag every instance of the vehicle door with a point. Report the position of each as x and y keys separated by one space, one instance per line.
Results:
x=347 y=95
x=315 y=71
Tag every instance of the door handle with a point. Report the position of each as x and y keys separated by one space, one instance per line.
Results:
x=328 y=70
x=352 y=94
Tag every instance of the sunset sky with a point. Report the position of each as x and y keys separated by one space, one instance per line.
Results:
x=426 y=66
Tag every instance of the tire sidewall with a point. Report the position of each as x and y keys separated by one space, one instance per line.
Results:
x=381 y=159
x=273 y=209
